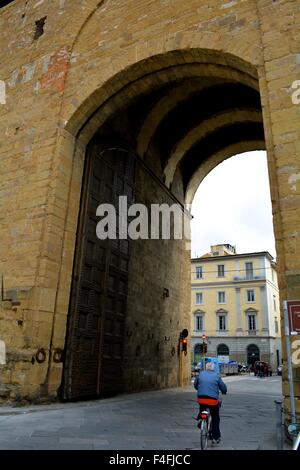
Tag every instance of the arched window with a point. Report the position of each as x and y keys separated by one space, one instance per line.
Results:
x=223 y=350
x=252 y=354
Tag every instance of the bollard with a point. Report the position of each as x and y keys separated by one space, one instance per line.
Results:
x=279 y=433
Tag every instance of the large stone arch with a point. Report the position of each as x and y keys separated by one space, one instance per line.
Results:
x=164 y=74
x=148 y=50
x=96 y=50
x=174 y=66
x=181 y=93
x=164 y=70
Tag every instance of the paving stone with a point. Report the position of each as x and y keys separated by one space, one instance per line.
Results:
x=169 y=423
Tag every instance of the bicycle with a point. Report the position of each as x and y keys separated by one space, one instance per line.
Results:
x=205 y=424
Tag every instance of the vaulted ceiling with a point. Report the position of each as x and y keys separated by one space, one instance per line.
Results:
x=190 y=121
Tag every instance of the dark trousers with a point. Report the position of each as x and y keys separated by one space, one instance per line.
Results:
x=215 y=419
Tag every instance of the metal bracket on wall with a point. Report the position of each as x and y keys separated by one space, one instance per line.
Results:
x=58 y=355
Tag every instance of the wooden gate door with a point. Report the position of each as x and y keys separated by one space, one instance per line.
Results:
x=97 y=312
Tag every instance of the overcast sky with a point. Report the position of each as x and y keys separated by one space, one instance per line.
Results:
x=233 y=205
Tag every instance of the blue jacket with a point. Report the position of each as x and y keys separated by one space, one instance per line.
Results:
x=208 y=384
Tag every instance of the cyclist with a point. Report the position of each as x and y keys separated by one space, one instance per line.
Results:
x=208 y=385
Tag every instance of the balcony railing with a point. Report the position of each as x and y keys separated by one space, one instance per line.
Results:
x=249 y=278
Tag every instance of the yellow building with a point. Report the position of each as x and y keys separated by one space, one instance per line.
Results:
x=235 y=304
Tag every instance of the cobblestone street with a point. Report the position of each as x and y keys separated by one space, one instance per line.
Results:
x=149 y=420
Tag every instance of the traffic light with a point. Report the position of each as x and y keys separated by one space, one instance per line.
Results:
x=203 y=347
x=183 y=340
x=184 y=345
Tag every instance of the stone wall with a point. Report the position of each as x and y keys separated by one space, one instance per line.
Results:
x=154 y=321
x=62 y=61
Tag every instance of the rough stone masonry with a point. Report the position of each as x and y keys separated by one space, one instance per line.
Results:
x=180 y=85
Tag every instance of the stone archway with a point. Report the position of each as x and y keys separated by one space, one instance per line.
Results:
x=95 y=61
x=158 y=117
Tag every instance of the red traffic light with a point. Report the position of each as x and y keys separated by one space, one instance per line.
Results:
x=184 y=345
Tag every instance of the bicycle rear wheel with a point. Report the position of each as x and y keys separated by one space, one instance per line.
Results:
x=204 y=434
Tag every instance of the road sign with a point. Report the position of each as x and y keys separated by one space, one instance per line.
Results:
x=293 y=307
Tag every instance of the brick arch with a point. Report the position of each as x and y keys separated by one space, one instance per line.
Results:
x=180 y=94
x=101 y=104
x=240 y=37
x=122 y=33
x=208 y=165
x=201 y=130
x=192 y=66
x=121 y=89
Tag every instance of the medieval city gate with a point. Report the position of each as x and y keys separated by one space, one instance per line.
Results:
x=192 y=114
x=187 y=84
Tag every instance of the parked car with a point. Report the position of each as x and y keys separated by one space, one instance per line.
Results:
x=279 y=370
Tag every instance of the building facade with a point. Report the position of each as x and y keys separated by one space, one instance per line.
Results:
x=235 y=304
